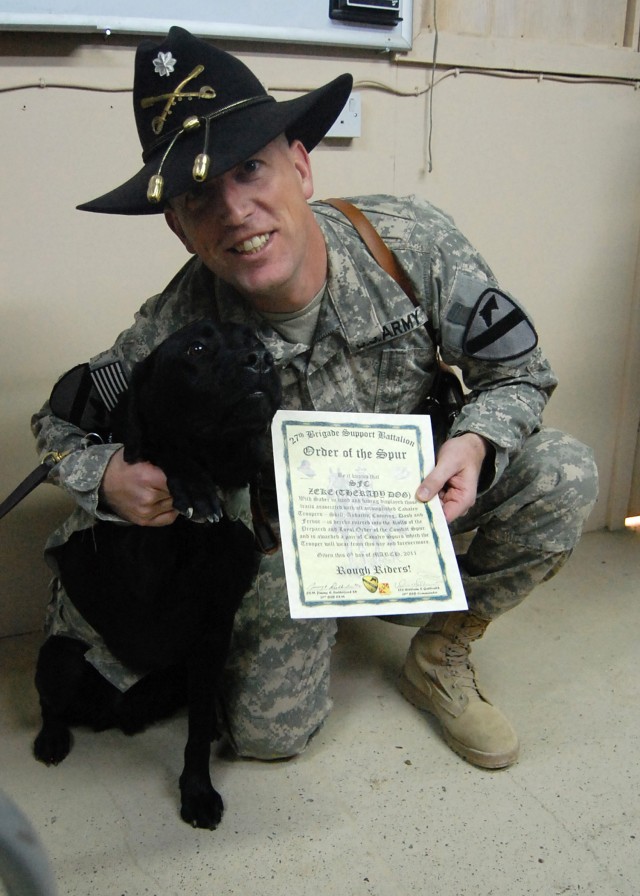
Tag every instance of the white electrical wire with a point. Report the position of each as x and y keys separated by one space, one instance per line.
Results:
x=429 y=104
x=364 y=84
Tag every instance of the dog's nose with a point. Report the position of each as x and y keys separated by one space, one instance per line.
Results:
x=259 y=360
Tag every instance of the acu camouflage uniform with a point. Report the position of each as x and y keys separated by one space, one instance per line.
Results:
x=370 y=353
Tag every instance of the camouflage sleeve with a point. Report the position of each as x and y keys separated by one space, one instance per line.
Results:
x=490 y=337
x=506 y=411
x=82 y=466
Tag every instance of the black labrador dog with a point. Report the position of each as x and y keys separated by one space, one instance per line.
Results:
x=164 y=599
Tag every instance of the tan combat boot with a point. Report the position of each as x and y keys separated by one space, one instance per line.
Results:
x=438 y=677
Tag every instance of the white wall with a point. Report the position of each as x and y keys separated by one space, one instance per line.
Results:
x=542 y=176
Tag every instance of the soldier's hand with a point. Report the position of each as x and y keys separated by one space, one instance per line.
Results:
x=455 y=475
x=137 y=492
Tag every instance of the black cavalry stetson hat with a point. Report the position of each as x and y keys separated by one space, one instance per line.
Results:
x=200 y=111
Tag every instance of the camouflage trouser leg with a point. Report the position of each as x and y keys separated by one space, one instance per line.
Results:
x=528 y=523
x=276 y=691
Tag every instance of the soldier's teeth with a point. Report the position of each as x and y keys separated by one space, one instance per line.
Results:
x=252 y=245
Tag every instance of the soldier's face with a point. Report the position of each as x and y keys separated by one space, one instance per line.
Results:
x=252 y=226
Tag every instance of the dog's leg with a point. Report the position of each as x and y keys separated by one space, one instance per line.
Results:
x=54 y=741
x=71 y=692
x=202 y=805
x=59 y=671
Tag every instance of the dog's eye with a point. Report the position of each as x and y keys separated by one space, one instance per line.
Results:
x=195 y=348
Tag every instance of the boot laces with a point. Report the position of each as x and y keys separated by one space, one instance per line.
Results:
x=458 y=663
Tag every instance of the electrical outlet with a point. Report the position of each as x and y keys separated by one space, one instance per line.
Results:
x=348 y=123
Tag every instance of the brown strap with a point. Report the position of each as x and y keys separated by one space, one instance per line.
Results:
x=384 y=256
x=266 y=539
x=375 y=244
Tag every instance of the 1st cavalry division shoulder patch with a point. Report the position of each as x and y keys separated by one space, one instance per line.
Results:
x=498 y=329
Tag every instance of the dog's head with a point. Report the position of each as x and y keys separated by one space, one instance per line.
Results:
x=208 y=388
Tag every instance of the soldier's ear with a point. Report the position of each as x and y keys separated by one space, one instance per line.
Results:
x=173 y=220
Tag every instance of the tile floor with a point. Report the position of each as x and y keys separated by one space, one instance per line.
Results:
x=378 y=805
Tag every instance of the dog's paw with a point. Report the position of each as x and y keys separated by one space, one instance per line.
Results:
x=52 y=745
x=196 y=501
x=202 y=809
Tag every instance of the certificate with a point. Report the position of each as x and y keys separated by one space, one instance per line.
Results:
x=355 y=540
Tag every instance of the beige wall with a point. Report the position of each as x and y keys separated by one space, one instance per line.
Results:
x=542 y=176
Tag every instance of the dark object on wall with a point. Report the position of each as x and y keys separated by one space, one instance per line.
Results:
x=368 y=12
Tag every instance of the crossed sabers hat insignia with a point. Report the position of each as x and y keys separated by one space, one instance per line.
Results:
x=205 y=93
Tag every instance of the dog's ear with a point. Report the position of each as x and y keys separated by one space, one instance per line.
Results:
x=134 y=424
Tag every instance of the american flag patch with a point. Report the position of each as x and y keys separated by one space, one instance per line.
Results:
x=110 y=381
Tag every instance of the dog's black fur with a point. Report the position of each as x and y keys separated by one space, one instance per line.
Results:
x=164 y=598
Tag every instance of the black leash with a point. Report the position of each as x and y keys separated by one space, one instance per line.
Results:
x=32 y=481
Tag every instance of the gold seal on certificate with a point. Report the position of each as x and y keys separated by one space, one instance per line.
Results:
x=355 y=540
